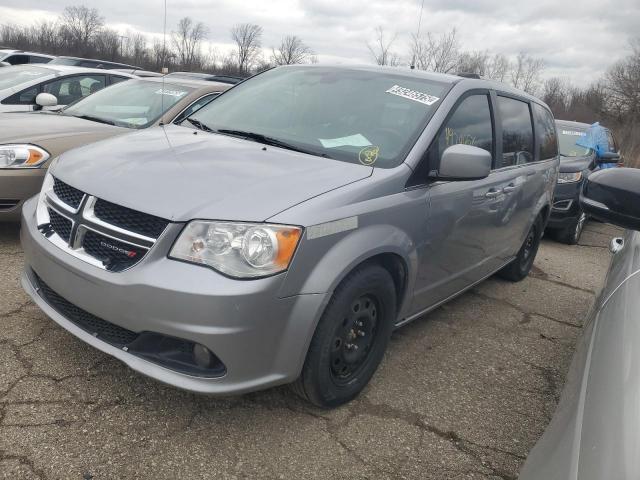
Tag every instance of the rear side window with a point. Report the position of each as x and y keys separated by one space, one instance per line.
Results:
x=545 y=133
x=38 y=59
x=517 y=132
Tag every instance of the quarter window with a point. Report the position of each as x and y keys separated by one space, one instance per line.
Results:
x=517 y=132
x=545 y=133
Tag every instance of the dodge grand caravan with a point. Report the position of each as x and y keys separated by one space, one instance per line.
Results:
x=283 y=231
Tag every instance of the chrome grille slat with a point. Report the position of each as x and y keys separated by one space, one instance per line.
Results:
x=76 y=229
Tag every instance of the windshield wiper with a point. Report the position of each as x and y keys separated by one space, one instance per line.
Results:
x=95 y=119
x=274 y=142
x=199 y=125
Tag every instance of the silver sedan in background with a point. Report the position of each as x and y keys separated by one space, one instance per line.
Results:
x=25 y=88
x=594 y=433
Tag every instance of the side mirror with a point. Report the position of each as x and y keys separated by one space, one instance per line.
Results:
x=609 y=157
x=46 y=100
x=613 y=196
x=464 y=162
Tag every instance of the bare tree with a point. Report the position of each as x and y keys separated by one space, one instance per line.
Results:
x=292 y=50
x=248 y=39
x=525 y=72
x=623 y=85
x=81 y=24
x=474 y=62
x=436 y=53
x=381 y=48
x=556 y=93
x=497 y=67
x=187 y=41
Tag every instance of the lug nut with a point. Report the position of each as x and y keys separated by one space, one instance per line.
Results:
x=360 y=333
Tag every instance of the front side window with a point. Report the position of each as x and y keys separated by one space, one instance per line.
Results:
x=545 y=133
x=131 y=104
x=517 y=132
x=68 y=90
x=470 y=124
x=352 y=115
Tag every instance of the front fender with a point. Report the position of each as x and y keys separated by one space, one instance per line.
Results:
x=322 y=263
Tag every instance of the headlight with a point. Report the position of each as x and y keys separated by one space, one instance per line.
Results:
x=241 y=250
x=22 y=156
x=569 y=177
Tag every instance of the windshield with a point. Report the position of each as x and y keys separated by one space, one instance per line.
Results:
x=567 y=141
x=11 y=77
x=131 y=104
x=357 y=116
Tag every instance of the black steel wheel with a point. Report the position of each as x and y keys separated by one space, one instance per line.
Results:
x=350 y=339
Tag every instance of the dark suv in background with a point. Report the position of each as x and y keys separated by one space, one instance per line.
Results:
x=576 y=163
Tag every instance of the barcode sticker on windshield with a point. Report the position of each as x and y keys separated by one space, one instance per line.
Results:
x=413 y=95
x=574 y=132
x=173 y=93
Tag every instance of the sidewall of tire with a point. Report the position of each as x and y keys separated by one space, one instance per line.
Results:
x=317 y=381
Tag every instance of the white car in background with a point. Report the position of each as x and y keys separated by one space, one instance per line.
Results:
x=20 y=57
x=24 y=88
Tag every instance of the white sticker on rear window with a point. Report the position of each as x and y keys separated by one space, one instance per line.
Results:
x=413 y=95
x=573 y=132
x=357 y=140
x=173 y=93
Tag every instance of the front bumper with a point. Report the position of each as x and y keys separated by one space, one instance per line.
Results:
x=16 y=186
x=261 y=339
x=566 y=206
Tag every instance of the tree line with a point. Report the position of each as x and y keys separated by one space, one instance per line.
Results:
x=82 y=32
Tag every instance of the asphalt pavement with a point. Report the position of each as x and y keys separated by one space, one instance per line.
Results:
x=463 y=393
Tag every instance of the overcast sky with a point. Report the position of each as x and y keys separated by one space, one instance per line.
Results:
x=577 y=40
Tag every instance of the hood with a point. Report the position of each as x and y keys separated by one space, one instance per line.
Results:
x=575 y=164
x=41 y=126
x=180 y=174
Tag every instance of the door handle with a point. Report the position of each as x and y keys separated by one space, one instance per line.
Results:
x=492 y=193
x=509 y=188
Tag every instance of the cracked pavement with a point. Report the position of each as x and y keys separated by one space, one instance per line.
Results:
x=463 y=393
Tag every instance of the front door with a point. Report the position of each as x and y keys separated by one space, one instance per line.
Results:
x=463 y=236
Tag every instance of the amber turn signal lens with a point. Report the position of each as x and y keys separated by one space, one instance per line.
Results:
x=287 y=242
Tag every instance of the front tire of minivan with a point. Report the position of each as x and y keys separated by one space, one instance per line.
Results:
x=350 y=339
x=520 y=267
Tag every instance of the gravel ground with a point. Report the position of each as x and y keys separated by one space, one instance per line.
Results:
x=463 y=393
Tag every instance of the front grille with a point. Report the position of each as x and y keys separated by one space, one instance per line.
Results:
x=106 y=331
x=128 y=219
x=60 y=225
x=69 y=195
x=7 y=204
x=116 y=256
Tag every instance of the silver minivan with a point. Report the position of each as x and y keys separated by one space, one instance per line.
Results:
x=282 y=232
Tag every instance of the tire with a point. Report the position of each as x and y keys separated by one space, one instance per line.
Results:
x=350 y=339
x=571 y=234
x=520 y=267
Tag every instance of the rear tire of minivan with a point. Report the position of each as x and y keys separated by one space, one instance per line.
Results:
x=350 y=339
x=520 y=267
